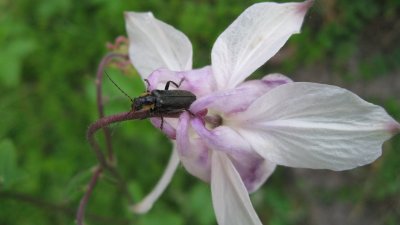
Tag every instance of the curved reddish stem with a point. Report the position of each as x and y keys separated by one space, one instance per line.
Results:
x=103 y=123
x=82 y=205
x=100 y=104
x=104 y=163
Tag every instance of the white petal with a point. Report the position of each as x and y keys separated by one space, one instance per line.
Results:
x=231 y=201
x=146 y=204
x=154 y=44
x=253 y=38
x=315 y=126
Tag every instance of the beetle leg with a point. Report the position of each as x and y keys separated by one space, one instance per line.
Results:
x=162 y=123
x=192 y=114
x=175 y=84
x=169 y=82
x=148 y=85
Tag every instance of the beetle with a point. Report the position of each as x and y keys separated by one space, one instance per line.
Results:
x=162 y=103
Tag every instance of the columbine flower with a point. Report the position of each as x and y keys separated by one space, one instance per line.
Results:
x=243 y=129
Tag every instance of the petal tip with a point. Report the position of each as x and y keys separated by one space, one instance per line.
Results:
x=128 y=14
x=276 y=79
x=394 y=128
x=140 y=208
x=303 y=7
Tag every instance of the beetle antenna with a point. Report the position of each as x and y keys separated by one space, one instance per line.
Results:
x=118 y=87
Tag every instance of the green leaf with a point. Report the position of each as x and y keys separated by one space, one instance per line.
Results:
x=9 y=172
x=11 y=60
x=77 y=184
x=164 y=217
x=200 y=201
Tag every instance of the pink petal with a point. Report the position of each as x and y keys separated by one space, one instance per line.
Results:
x=231 y=201
x=154 y=44
x=238 y=99
x=193 y=153
x=159 y=78
x=221 y=138
x=168 y=126
x=198 y=81
x=268 y=82
x=314 y=126
x=146 y=204
x=254 y=172
x=253 y=169
x=253 y=38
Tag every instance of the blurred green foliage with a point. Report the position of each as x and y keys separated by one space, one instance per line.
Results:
x=49 y=54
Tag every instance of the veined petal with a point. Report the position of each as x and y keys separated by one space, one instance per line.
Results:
x=220 y=138
x=154 y=44
x=198 y=81
x=253 y=38
x=315 y=126
x=253 y=169
x=146 y=204
x=253 y=174
x=231 y=201
x=218 y=100
x=159 y=77
x=193 y=153
x=268 y=82
x=238 y=99
x=169 y=126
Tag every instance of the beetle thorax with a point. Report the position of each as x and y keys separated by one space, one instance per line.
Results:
x=145 y=102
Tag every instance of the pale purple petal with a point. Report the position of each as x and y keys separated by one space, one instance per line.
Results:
x=253 y=169
x=221 y=138
x=268 y=82
x=222 y=100
x=193 y=153
x=154 y=44
x=254 y=172
x=238 y=99
x=253 y=38
x=231 y=201
x=169 y=125
x=146 y=204
x=159 y=77
x=394 y=128
x=198 y=81
x=314 y=126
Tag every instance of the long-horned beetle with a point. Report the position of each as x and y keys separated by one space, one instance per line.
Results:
x=162 y=103
x=165 y=101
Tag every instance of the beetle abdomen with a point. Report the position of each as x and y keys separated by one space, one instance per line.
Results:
x=172 y=100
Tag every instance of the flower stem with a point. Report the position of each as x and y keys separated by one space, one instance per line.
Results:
x=103 y=123
x=82 y=205
x=104 y=163
x=100 y=105
x=50 y=208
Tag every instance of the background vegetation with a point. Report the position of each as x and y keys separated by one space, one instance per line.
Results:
x=49 y=54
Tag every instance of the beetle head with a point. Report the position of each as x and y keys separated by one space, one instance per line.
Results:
x=144 y=102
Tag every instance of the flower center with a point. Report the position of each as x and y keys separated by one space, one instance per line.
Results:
x=213 y=121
